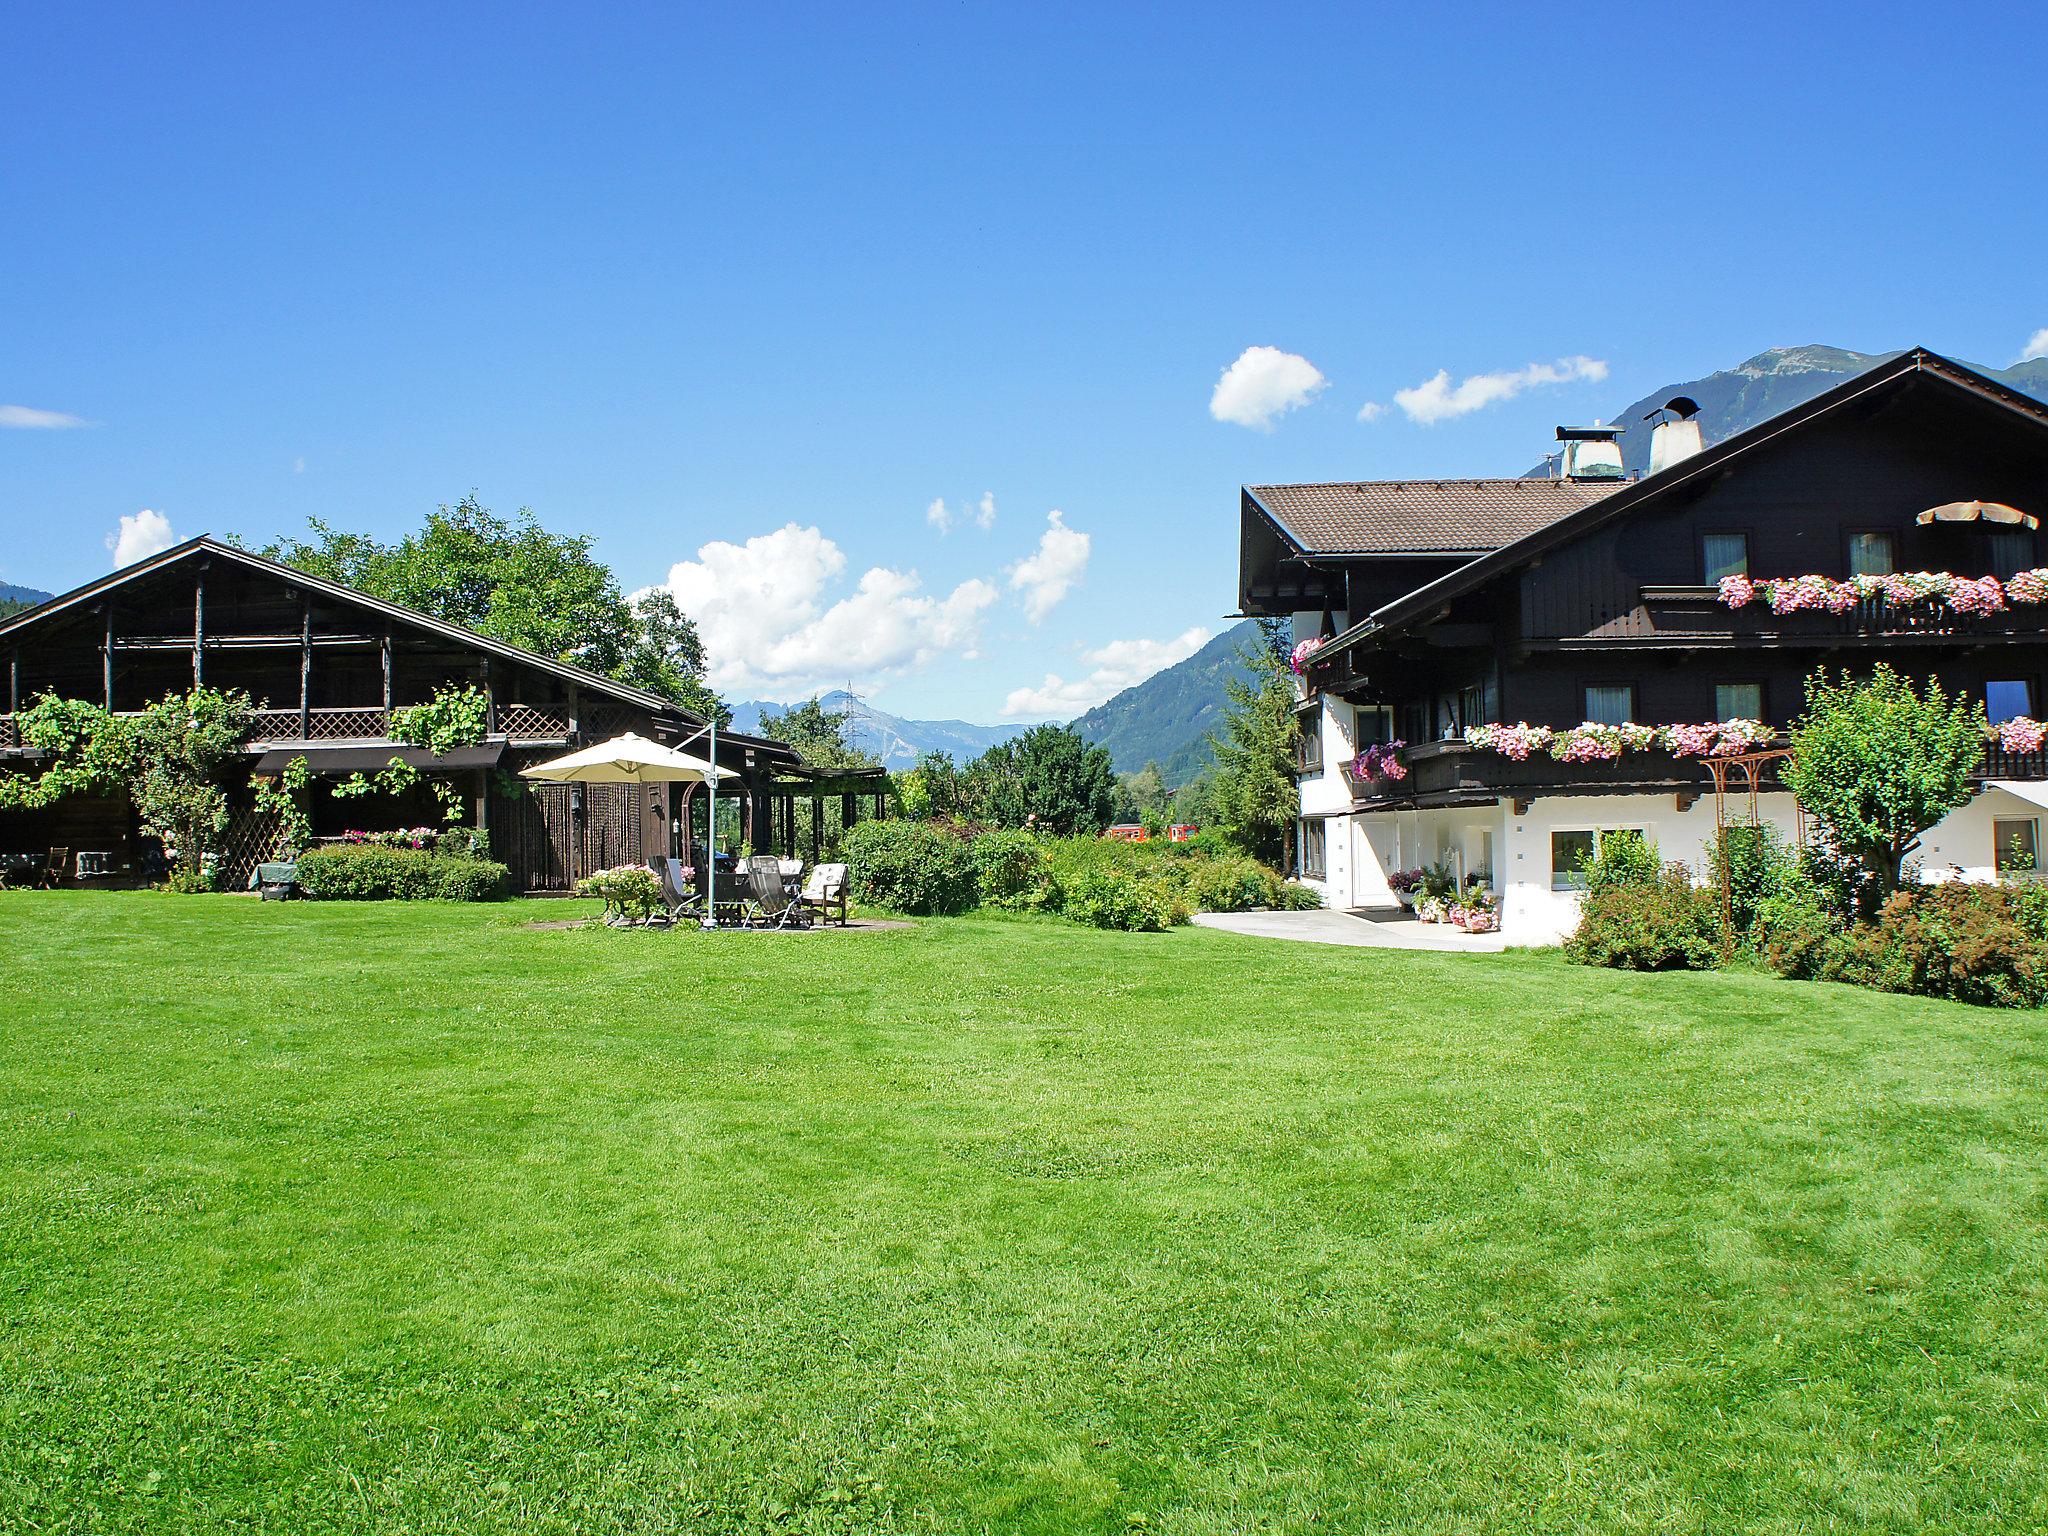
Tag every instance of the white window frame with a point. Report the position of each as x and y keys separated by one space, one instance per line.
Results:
x=1600 y=835
x=1998 y=844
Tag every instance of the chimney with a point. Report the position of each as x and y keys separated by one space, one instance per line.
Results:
x=1590 y=453
x=1677 y=433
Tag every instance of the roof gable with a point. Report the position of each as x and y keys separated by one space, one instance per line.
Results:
x=210 y=548
x=1918 y=363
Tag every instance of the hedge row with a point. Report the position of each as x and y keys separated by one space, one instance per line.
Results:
x=367 y=872
x=916 y=867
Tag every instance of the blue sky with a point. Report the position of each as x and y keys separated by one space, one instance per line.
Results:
x=674 y=275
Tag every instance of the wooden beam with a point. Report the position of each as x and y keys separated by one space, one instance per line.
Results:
x=198 y=628
x=386 y=651
x=490 y=702
x=817 y=827
x=107 y=658
x=305 y=665
x=14 y=681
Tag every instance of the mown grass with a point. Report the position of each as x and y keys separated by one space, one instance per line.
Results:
x=416 y=1219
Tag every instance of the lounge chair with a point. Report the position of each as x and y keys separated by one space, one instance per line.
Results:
x=769 y=904
x=54 y=869
x=679 y=902
x=825 y=890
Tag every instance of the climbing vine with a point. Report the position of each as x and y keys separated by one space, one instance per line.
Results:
x=453 y=717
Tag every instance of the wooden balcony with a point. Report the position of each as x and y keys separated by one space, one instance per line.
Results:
x=1694 y=615
x=1442 y=773
x=519 y=724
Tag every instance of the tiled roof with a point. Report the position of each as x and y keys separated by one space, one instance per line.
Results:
x=1433 y=516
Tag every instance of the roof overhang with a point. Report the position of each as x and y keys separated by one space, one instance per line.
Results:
x=368 y=757
x=2033 y=791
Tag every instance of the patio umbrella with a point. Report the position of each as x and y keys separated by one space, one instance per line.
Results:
x=633 y=759
x=1976 y=512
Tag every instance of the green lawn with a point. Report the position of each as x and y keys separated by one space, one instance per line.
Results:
x=414 y=1218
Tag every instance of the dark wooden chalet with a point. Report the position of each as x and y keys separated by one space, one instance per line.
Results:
x=327 y=665
x=1445 y=604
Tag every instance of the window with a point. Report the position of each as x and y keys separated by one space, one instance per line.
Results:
x=2007 y=701
x=2011 y=552
x=1738 y=701
x=1308 y=741
x=1314 y=842
x=1373 y=725
x=1724 y=554
x=1871 y=554
x=1571 y=850
x=1610 y=704
x=2016 y=844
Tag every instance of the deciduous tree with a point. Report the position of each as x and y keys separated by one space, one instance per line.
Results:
x=1878 y=763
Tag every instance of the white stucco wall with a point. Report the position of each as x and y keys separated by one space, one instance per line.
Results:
x=1365 y=850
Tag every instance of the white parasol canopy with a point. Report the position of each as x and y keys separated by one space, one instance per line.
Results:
x=628 y=759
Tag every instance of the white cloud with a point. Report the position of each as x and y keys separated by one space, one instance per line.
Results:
x=982 y=513
x=772 y=629
x=146 y=533
x=1438 y=399
x=1116 y=666
x=2037 y=346
x=1052 y=570
x=1372 y=410
x=28 y=419
x=1264 y=383
x=299 y=465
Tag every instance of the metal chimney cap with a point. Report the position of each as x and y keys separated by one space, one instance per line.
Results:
x=1589 y=434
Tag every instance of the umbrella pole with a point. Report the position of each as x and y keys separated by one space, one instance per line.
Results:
x=711 y=831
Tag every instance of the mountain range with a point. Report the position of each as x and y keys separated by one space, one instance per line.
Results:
x=14 y=599
x=893 y=740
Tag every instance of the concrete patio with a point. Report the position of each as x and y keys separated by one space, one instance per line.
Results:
x=1359 y=928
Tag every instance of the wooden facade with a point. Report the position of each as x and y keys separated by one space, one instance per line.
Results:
x=327 y=666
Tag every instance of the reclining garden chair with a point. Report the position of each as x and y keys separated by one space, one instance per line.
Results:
x=679 y=902
x=825 y=890
x=54 y=869
x=769 y=904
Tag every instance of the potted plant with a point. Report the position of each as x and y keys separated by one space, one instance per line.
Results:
x=1406 y=885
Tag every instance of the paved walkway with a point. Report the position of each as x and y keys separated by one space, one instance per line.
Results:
x=1358 y=929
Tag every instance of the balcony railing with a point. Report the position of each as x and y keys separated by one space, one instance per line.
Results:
x=1700 y=611
x=517 y=722
x=1453 y=772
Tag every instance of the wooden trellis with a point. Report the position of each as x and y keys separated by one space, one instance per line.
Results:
x=1751 y=766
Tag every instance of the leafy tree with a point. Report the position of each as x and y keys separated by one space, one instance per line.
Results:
x=1194 y=803
x=818 y=733
x=1878 y=764
x=1047 y=778
x=1256 y=798
x=1149 y=799
x=513 y=580
x=667 y=656
x=935 y=788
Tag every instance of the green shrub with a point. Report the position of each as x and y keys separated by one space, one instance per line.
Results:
x=1793 y=927
x=1117 y=898
x=1957 y=940
x=1008 y=865
x=463 y=843
x=368 y=872
x=907 y=866
x=1292 y=897
x=1233 y=883
x=1757 y=859
x=1626 y=859
x=1666 y=924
